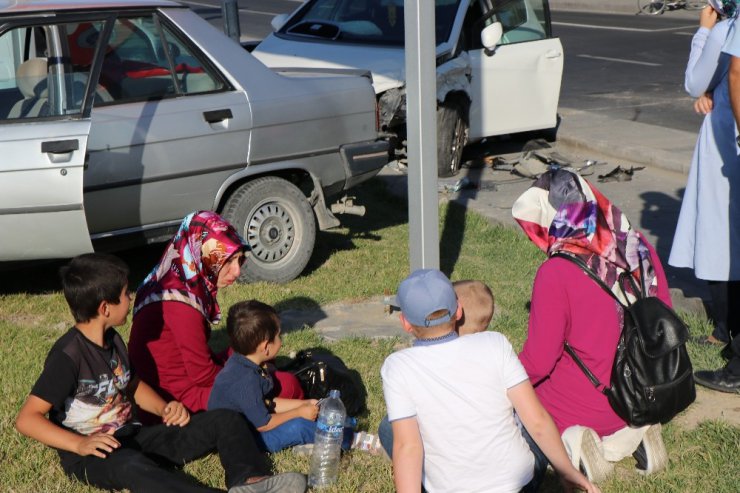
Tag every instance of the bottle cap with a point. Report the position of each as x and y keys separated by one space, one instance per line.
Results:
x=334 y=394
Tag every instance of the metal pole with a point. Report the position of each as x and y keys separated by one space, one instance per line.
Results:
x=421 y=125
x=230 y=12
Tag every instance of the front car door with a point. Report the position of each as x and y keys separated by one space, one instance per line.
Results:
x=516 y=87
x=44 y=125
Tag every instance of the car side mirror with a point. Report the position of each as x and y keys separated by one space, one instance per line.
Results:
x=491 y=35
x=278 y=21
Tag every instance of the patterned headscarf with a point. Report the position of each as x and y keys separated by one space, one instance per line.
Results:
x=562 y=212
x=188 y=270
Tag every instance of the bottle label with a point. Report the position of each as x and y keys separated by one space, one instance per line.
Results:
x=332 y=429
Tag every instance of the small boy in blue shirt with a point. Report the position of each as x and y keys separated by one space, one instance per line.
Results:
x=244 y=385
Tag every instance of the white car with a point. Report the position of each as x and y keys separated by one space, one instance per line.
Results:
x=498 y=66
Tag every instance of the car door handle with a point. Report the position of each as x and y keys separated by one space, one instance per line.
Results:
x=553 y=54
x=60 y=146
x=217 y=115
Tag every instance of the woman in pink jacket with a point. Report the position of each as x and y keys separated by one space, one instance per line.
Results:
x=176 y=305
x=563 y=213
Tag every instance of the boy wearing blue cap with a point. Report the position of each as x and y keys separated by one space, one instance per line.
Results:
x=451 y=402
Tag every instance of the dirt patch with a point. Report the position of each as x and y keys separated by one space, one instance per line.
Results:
x=711 y=405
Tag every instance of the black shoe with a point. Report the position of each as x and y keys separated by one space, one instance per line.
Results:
x=721 y=380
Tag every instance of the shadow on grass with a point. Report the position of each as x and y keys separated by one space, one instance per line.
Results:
x=383 y=210
x=42 y=276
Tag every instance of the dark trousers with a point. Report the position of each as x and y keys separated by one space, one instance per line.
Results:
x=725 y=308
x=143 y=462
x=733 y=363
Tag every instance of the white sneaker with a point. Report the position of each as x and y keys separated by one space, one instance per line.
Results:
x=593 y=464
x=287 y=482
x=584 y=448
x=651 y=455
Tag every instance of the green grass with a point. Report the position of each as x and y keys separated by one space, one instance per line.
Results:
x=364 y=258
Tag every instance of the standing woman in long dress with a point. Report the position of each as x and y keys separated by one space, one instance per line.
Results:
x=706 y=234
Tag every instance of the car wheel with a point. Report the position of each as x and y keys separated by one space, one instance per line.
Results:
x=275 y=219
x=452 y=135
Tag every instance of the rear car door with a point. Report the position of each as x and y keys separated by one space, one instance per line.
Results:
x=171 y=130
x=44 y=128
x=516 y=87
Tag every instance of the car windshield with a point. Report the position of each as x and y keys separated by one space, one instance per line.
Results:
x=364 y=21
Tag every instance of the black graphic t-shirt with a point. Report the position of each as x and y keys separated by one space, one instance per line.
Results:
x=86 y=384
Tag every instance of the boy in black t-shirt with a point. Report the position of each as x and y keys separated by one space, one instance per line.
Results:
x=88 y=390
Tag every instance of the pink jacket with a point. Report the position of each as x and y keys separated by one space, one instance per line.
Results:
x=569 y=306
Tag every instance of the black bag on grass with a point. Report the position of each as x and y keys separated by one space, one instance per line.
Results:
x=652 y=379
x=320 y=372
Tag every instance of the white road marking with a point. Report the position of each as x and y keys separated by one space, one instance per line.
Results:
x=620 y=60
x=618 y=28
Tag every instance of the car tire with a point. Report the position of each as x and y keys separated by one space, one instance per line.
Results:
x=452 y=135
x=277 y=222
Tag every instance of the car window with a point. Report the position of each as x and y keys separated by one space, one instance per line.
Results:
x=145 y=60
x=364 y=21
x=522 y=20
x=38 y=78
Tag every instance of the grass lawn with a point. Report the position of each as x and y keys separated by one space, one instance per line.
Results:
x=366 y=257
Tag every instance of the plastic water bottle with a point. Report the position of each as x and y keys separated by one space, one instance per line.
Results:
x=327 y=448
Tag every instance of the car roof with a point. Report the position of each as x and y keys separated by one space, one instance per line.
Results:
x=32 y=6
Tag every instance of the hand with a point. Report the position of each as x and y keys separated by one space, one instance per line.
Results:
x=98 y=444
x=708 y=17
x=573 y=480
x=174 y=413
x=704 y=104
x=309 y=410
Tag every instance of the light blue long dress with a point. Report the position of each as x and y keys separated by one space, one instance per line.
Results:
x=708 y=231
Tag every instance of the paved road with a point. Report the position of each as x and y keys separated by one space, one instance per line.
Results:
x=254 y=15
x=629 y=67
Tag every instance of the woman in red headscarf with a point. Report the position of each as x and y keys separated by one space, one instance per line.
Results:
x=176 y=305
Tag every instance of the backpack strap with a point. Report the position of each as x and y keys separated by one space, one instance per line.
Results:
x=590 y=273
x=568 y=349
x=591 y=377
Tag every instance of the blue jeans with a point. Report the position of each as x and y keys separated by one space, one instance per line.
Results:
x=297 y=431
x=385 y=433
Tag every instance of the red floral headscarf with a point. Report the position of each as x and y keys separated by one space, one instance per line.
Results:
x=188 y=270
x=562 y=212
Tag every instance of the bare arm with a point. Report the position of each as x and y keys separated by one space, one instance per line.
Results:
x=540 y=426
x=172 y=413
x=290 y=409
x=32 y=422
x=408 y=455
x=282 y=405
x=734 y=78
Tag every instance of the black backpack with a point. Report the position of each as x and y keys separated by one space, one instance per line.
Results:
x=652 y=378
x=320 y=372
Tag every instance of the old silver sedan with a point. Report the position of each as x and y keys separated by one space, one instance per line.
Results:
x=118 y=118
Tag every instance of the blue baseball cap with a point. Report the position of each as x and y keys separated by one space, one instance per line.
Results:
x=424 y=292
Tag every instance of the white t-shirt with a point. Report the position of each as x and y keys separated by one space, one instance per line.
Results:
x=457 y=392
